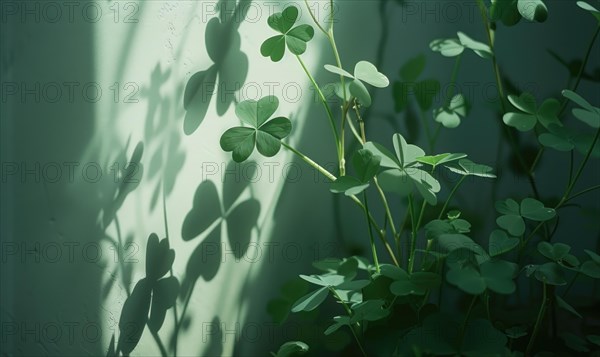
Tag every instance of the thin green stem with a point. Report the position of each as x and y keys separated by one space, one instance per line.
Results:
x=310 y=162
x=570 y=284
x=454 y=189
x=332 y=177
x=315 y=19
x=373 y=248
x=349 y=312
x=463 y=327
x=537 y=159
x=581 y=69
x=327 y=109
x=582 y=192
x=538 y=322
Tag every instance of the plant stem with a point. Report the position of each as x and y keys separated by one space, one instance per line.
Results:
x=538 y=322
x=373 y=248
x=498 y=77
x=310 y=162
x=332 y=177
x=589 y=189
x=161 y=346
x=315 y=19
x=327 y=109
x=349 y=312
x=570 y=284
x=581 y=69
x=463 y=327
x=454 y=189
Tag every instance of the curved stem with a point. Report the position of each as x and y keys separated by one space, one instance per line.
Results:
x=349 y=312
x=159 y=343
x=327 y=109
x=332 y=177
x=463 y=327
x=373 y=248
x=582 y=192
x=454 y=189
x=581 y=69
x=315 y=19
x=538 y=322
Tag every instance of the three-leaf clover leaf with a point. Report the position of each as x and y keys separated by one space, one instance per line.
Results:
x=404 y=174
x=295 y=38
x=451 y=47
x=466 y=167
x=505 y=11
x=364 y=71
x=530 y=115
x=265 y=134
x=366 y=166
x=450 y=115
x=496 y=275
x=424 y=90
x=533 y=10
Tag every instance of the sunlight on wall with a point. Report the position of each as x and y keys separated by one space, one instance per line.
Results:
x=150 y=63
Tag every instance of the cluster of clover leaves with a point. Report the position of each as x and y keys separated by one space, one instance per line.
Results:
x=399 y=295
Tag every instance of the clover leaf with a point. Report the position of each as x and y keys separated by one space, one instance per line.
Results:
x=440 y=159
x=295 y=38
x=533 y=10
x=366 y=166
x=450 y=115
x=364 y=71
x=495 y=275
x=424 y=90
x=405 y=174
x=549 y=273
x=452 y=47
x=292 y=348
x=265 y=135
x=591 y=267
x=466 y=167
x=505 y=11
x=587 y=113
x=501 y=243
x=529 y=114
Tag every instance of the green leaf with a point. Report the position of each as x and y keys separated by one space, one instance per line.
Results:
x=273 y=47
x=549 y=273
x=522 y=122
x=311 y=301
x=450 y=116
x=595 y=339
x=292 y=348
x=440 y=159
x=450 y=47
x=297 y=38
x=451 y=242
x=416 y=283
x=396 y=181
x=240 y=141
x=591 y=267
x=547 y=113
x=533 y=10
x=508 y=206
x=337 y=70
x=367 y=72
x=387 y=158
x=412 y=69
x=516 y=332
x=467 y=167
x=565 y=305
x=265 y=135
x=324 y=280
x=340 y=321
x=557 y=138
x=506 y=11
x=534 y=210
x=360 y=92
x=370 y=310
x=496 y=275
x=587 y=113
x=406 y=153
x=592 y=10
x=595 y=257
x=348 y=185
x=512 y=223
x=481 y=49
x=366 y=164
x=283 y=21
x=525 y=102
x=501 y=243
x=555 y=252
